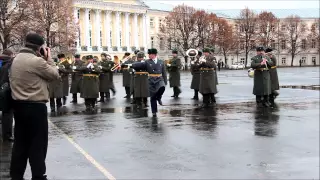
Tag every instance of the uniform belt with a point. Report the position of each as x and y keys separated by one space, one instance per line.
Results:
x=125 y=68
x=90 y=75
x=141 y=73
x=155 y=75
x=262 y=69
x=207 y=69
x=272 y=67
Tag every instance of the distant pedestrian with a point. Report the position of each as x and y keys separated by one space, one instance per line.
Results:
x=30 y=94
x=219 y=65
x=300 y=62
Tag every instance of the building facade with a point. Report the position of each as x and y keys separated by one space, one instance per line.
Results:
x=117 y=27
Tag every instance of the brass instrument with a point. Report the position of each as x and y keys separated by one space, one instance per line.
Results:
x=251 y=73
x=193 y=53
x=116 y=66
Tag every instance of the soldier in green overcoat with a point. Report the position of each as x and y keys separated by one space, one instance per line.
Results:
x=105 y=65
x=173 y=68
x=55 y=90
x=126 y=81
x=134 y=59
x=76 y=77
x=90 y=84
x=273 y=76
x=262 y=84
x=65 y=76
x=208 y=85
x=195 y=71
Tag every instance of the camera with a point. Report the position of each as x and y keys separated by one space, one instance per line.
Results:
x=42 y=51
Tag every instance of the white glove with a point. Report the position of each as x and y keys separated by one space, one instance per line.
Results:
x=192 y=62
x=100 y=67
x=57 y=67
x=129 y=65
x=203 y=61
x=74 y=67
x=89 y=65
x=92 y=66
x=169 y=65
x=133 y=70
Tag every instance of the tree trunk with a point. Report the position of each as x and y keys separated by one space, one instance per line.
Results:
x=225 y=57
x=48 y=40
x=292 y=58
x=246 y=61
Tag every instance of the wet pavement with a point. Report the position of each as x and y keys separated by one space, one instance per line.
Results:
x=233 y=140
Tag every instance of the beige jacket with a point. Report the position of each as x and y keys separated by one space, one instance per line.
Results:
x=30 y=76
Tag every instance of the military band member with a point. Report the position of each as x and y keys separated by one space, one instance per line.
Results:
x=173 y=67
x=273 y=76
x=195 y=71
x=55 y=90
x=140 y=84
x=157 y=78
x=126 y=73
x=262 y=84
x=105 y=84
x=90 y=84
x=76 y=78
x=134 y=59
x=208 y=85
x=65 y=76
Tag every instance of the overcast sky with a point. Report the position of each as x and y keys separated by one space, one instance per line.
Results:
x=238 y=4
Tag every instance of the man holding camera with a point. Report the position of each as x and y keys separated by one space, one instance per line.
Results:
x=31 y=71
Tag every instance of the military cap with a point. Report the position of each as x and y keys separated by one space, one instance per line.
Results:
x=61 y=56
x=104 y=54
x=136 y=52
x=89 y=57
x=260 y=48
x=199 y=53
x=140 y=55
x=174 y=51
x=127 y=54
x=152 y=51
x=34 y=39
x=269 y=49
x=206 y=50
x=77 y=55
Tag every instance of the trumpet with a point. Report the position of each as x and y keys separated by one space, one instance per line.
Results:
x=116 y=66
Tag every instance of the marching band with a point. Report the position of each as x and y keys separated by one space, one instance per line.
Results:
x=143 y=78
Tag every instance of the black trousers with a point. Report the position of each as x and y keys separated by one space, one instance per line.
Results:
x=31 y=140
x=128 y=93
x=74 y=97
x=7 y=120
x=90 y=102
x=153 y=100
x=54 y=102
x=209 y=99
x=196 y=94
x=176 y=91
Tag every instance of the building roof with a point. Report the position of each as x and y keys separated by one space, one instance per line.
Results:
x=234 y=13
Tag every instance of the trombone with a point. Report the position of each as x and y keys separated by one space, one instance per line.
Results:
x=116 y=66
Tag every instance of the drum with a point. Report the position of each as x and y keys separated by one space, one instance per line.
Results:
x=251 y=73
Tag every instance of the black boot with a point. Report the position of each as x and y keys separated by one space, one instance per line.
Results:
x=145 y=102
x=212 y=100
x=265 y=101
x=101 y=97
x=196 y=95
x=206 y=101
x=59 y=103
x=127 y=92
x=113 y=91
x=52 y=105
x=134 y=101
x=64 y=100
x=174 y=92
x=108 y=96
x=74 y=98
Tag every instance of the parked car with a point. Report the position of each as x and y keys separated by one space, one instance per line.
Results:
x=237 y=65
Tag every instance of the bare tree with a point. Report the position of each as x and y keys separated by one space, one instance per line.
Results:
x=179 y=29
x=55 y=19
x=295 y=28
x=203 y=20
x=13 y=15
x=247 y=23
x=314 y=35
x=267 y=31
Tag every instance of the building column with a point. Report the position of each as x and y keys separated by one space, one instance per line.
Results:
x=98 y=29
x=78 y=34
x=127 y=40
x=135 y=30
x=144 y=31
x=87 y=29
x=148 y=32
x=118 y=30
x=107 y=24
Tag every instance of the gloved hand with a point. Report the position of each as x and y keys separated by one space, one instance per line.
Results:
x=92 y=66
x=203 y=61
x=129 y=65
x=74 y=67
x=192 y=62
x=89 y=65
x=57 y=67
x=133 y=70
x=168 y=65
x=100 y=67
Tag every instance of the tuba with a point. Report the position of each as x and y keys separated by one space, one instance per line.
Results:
x=192 y=53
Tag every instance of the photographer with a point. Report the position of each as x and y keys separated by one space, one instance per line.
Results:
x=5 y=102
x=31 y=71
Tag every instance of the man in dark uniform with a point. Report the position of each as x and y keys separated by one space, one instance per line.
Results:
x=76 y=78
x=262 y=84
x=174 y=73
x=134 y=59
x=140 y=84
x=105 y=65
x=195 y=71
x=157 y=78
x=65 y=76
x=90 y=84
x=56 y=90
x=208 y=85
x=126 y=73
x=273 y=76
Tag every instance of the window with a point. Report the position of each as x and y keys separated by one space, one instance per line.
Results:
x=161 y=44
x=283 y=61
x=273 y=44
x=160 y=22
x=242 y=60
x=313 y=43
x=78 y=13
x=283 y=27
x=273 y=28
x=90 y=37
x=303 y=60
x=313 y=59
x=242 y=46
x=283 y=44
x=152 y=42
x=251 y=28
x=79 y=36
x=169 y=43
x=89 y=15
x=252 y=44
x=303 y=43
x=120 y=38
x=100 y=38
x=152 y=22
x=241 y=28
x=313 y=27
x=110 y=38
